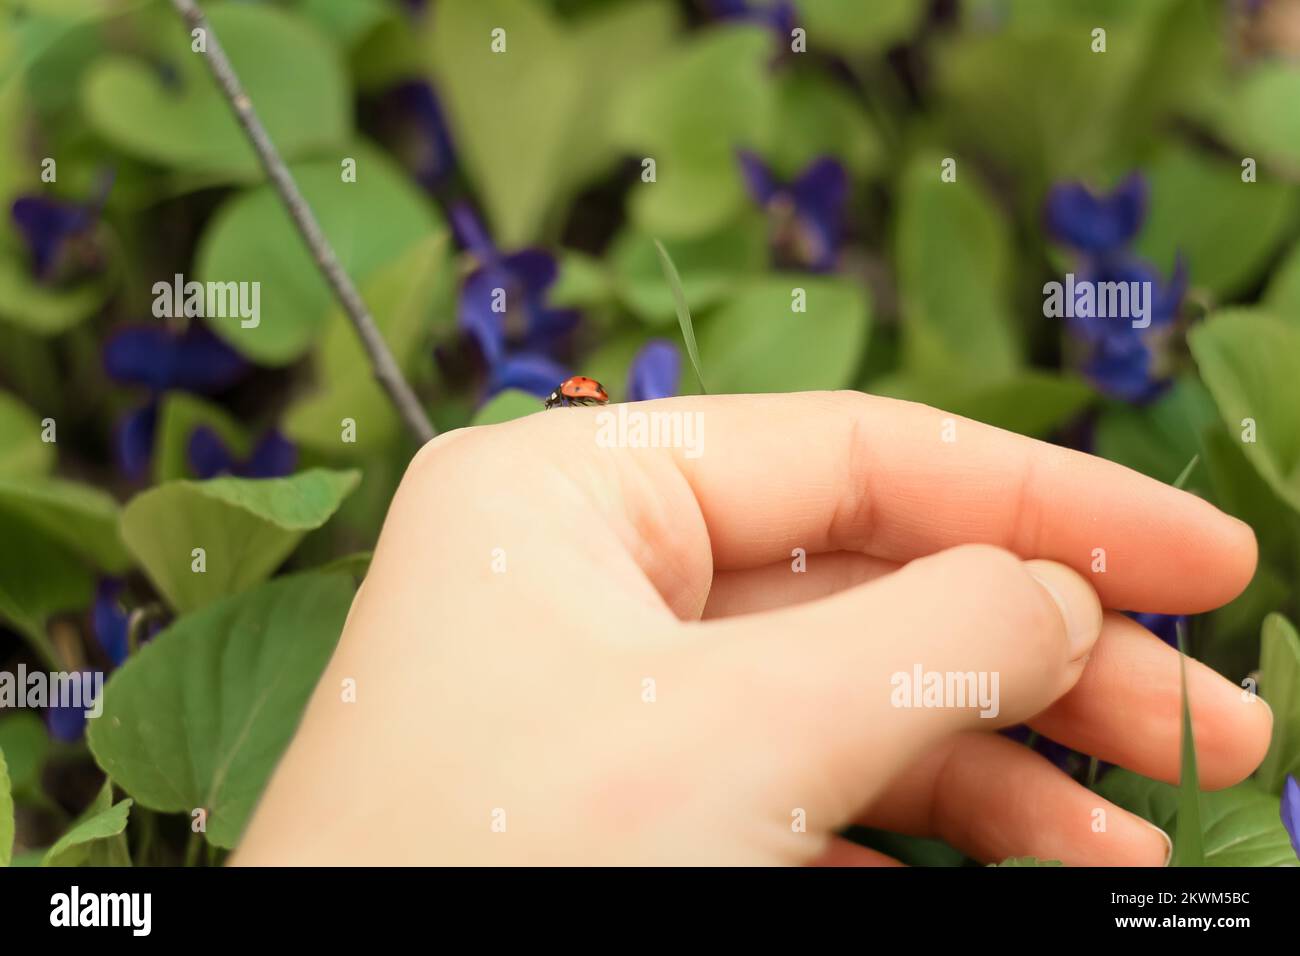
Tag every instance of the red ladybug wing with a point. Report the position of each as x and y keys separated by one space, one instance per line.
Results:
x=582 y=387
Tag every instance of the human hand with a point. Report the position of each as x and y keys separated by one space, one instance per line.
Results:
x=645 y=679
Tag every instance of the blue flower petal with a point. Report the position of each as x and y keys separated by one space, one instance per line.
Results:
x=157 y=358
x=760 y=182
x=1079 y=218
x=274 y=457
x=1163 y=626
x=528 y=372
x=1291 y=811
x=656 y=371
x=434 y=157
x=67 y=724
x=207 y=453
x=470 y=233
x=45 y=225
x=108 y=620
x=476 y=317
x=133 y=440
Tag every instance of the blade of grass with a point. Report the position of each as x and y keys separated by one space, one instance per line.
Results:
x=683 y=313
x=1189 y=848
x=1186 y=473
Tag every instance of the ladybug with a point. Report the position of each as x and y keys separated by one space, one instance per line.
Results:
x=578 y=390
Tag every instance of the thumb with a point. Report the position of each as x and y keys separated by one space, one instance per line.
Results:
x=840 y=694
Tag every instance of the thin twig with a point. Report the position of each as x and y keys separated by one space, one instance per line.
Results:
x=383 y=364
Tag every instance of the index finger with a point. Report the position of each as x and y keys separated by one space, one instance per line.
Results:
x=847 y=471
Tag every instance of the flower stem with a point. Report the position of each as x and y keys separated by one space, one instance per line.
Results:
x=384 y=366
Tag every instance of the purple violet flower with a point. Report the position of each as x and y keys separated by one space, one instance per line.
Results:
x=656 y=371
x=53 y=229
x=421 y=134
x=160 y=359
x=1163 y=626
x=1121 y=360
x=805 y=215
x=503 y=309
x=274 y=456
x=1291 y=811
x=67 y=724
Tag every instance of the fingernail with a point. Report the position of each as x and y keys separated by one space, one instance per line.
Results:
x=1077 y=601
x=1169 y=844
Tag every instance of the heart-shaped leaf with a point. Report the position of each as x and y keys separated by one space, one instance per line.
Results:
x=245 y=528
x=370 y=223
x=198 y=718
x=509 y=110
x=22 y=452
x=692 y=137
x=1228 y=236
x=184 y=122
x=1250 y=361
x=1240 y=826
x=954 y=257
x=757 y=342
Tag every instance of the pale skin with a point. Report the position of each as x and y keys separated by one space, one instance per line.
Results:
x=501 y=716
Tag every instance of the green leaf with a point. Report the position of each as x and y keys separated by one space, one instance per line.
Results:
x=1189 y=849
x=81 y=517
x=1283 y=295
x=851 y=26
x=42 y=309
x=1228 y=236
x=1029 y=401
x=954 y=257
x=1241 y=826
x=370 y=223
x=1251 y=361
x=582 y=281
x=199 y=717
x=712 y=96
x=1027 y=861
x=509 y=112
x=96 y=838
x=22 y=453
x=1259 y=115
x=402 y=297
x=710 y=268
x=674 y=281
x=25 y=744
x=817 y=116
x=1160 y=438
x=190 y=126
x=758 y=343
x=6 y=813
x=507 y=406
x=1280 y=686
x=246 y=528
